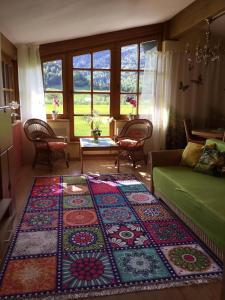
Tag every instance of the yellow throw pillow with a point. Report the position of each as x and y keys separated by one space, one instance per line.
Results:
x=191 y=154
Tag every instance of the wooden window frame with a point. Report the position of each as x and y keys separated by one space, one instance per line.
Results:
x=8 y=79
x=112 y=41
x=138 y=70
x=90 y=51
x=64 y=80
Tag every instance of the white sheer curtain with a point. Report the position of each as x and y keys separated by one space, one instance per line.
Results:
x=1 y=83
x=156 y=94
x=30 y=83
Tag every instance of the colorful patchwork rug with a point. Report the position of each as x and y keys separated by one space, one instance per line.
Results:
x=100 y=235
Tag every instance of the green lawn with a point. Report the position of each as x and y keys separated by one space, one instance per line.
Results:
x=82 y=128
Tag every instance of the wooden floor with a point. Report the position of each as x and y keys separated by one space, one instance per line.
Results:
x=195 y=292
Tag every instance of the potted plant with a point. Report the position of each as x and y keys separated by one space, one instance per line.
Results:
x=133 y=103
x=55 y=102
x=95 y=120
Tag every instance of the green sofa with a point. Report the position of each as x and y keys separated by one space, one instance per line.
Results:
x=199 y=197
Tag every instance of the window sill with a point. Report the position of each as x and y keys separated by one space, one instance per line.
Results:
x=57 y=120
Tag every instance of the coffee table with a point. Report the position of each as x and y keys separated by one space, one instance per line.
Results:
x=103 y=144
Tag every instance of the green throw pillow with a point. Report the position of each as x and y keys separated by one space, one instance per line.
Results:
x=211 y=161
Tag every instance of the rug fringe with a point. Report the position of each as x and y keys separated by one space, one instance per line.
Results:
x=156 y=286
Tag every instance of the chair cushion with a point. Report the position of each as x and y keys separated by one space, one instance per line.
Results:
x=136 y=133
x=54 y=146
x=128 y=143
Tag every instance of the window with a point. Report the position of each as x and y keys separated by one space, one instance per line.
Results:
x=8 y=80
x=91 y=92
x=96 y=80
x=131 y=73
x=53 y=85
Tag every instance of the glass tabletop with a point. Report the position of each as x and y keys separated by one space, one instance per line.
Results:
x=101 y=143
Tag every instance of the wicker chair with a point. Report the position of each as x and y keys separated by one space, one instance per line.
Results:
x=132 y=138
x=189 y=136
x=48 y=146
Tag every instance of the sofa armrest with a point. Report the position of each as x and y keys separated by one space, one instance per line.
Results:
x=164 y=158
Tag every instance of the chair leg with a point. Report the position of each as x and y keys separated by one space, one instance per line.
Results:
x=66 y=156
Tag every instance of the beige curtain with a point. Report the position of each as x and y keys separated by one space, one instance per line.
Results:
x=155 y=99
x=198 y=93
x=30 y=83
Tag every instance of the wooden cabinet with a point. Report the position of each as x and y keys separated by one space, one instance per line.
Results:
x=7 y=215
x=10 y=164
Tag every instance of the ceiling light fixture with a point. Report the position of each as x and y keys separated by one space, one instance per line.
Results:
x=205 y=53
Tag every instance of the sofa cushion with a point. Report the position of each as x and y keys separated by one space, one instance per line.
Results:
x=219 y=144
x=199 y=196
x=211 y=161
x=191 y=154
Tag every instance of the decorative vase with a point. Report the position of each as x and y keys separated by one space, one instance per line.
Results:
x=96 y=134
x=130 y=117
x=54 y=115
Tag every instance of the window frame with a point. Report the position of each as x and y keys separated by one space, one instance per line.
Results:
x=67 y=49
x=138 y=71
x=91 y=92
x=8 y=79
x=61 y=57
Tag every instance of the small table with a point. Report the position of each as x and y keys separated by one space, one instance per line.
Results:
x=209 y=133
x=103 y=144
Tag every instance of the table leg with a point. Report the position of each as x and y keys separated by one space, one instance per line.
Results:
x=81 y=160
x=118 y=162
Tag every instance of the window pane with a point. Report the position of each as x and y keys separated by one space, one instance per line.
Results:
x=125 y=107
x=82 y=61
x=142 y=57
x=82 y=104
x=81 y=126
x=82 y=81
x=141 y=74
x=52 y=73
x=103 y=125
x=101 y=81
x=101 y=103
x=129 y=57
x=128 y=82
x=49 y=103
x=102 y=60
x=144 y=105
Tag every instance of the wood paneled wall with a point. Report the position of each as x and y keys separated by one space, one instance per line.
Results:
x=193 y=15
x=152 y=31
x=8 y=48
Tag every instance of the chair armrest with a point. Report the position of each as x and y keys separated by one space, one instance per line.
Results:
x=164 y=158
x=64 y=138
